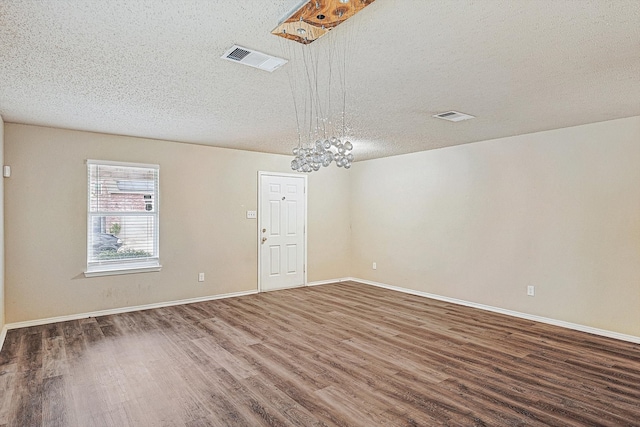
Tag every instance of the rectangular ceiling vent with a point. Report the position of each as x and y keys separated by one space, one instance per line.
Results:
x=253 y=58
x=454 y=116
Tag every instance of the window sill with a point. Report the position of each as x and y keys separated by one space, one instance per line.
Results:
x=121 y=270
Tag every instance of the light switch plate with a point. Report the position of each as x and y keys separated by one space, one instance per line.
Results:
x=252 y=214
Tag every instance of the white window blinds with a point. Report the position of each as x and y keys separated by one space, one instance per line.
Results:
x=122 y=218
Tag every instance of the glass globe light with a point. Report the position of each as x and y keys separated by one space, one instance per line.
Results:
x=349 y=157
x=347 y=165
x=348 y=146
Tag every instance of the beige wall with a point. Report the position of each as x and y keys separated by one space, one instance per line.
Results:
x=479 y=222
x=204 y=195
x=2 y=319
x=329 y=233
x=559 y=210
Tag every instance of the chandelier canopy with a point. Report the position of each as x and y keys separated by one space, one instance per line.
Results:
x=313 y=19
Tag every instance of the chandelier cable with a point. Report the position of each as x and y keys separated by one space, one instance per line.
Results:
x=323 y=71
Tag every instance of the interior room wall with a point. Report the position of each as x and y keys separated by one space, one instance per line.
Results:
x=559 y=210
x=2 y=316
x=329 y=225
x=204 y=195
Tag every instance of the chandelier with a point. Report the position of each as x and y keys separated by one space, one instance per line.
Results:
x=308 y=159
x=319 y=79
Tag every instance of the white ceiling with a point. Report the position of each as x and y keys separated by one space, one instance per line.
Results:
x=152 y=68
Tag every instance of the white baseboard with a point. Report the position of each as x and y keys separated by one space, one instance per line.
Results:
x=562 y=323
x=46 y=321
x=327 y=282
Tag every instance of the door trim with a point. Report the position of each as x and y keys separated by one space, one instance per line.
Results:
x=259 y=223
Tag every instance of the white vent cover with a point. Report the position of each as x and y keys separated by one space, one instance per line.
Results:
x=253 y=58
x=454 y=116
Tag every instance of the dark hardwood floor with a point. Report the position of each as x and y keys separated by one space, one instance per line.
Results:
x=345 y=354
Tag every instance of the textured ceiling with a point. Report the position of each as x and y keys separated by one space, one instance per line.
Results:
x=153 y=69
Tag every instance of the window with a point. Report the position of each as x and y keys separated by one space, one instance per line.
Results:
x=122 y=218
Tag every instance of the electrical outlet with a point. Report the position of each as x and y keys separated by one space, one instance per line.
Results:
x=531 y=290
x=200 y=277
x=375 y=266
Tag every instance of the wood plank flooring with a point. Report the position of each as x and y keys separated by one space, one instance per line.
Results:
x=345 y=354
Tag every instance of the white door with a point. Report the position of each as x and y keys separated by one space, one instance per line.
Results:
x=282 y=222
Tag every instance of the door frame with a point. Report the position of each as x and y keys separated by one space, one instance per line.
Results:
x=259 y=235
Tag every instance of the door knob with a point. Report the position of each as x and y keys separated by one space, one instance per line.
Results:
x=264 y=239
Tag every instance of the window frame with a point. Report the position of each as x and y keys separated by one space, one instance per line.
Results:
x=123 y=266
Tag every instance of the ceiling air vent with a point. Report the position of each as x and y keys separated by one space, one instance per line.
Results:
x=253 y=58
x=454 y=116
